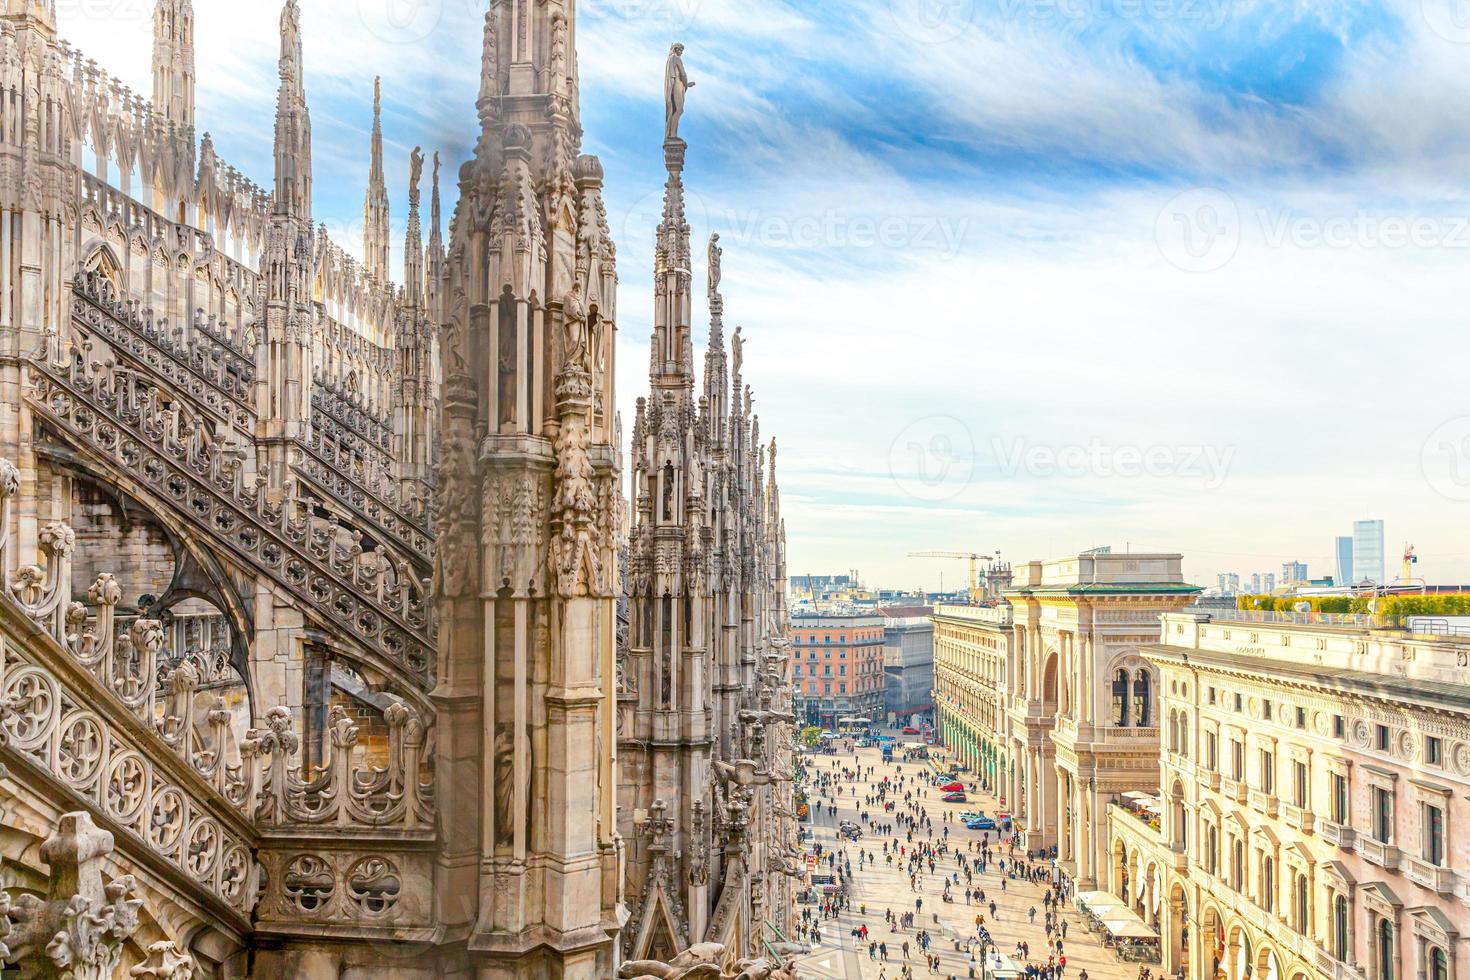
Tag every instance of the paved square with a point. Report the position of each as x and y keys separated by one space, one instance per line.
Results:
x=880 y=887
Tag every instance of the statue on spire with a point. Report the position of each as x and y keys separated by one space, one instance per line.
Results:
x=714 y=264
x=676 y=84
x=416 y=173
x=291 y=34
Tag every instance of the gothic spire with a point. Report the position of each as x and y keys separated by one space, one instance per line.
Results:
x=413 y=244
x=293 y=123
x=375 y=219
x=672 y=358
x=489 y=101
x=173 y=64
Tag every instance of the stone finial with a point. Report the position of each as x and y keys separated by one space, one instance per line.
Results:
x=78 y=931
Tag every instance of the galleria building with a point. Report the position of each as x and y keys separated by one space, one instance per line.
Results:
x=1278 y=796
x=329 y=644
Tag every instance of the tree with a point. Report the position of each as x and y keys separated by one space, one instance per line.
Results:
x=811 y=736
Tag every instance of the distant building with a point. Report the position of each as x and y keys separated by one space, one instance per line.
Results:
x=1255 y=583
x=1229 y=583
x=1048 y=699
x=837 y=667
x=1367 y=552
x=1268 y=582
x=819 y=583
x=908 y=660
x=1344 y=553
x=1293 y=572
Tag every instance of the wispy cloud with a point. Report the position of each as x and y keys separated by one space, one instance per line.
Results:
x=1213 y=225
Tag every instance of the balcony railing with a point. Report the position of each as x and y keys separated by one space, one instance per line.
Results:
x=1299 y=817
x=1341 y=834
x=1431 y=876
x=1263 y=802
x=1234 y=789
x=1210 y=779
x=1384 y=855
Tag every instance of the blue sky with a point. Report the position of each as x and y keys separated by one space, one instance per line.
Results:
x=1016 y=275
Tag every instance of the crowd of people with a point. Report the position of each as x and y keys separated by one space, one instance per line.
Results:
x=892 y=801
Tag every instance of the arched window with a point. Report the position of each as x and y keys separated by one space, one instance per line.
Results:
x=1173 y=731
x=1140 y=700
x=1120 y=698
x=1212 y=849
x=1268 y=884
x=1385 y=950
x=1439 y=964
x=1340 y=927
x=1303 y=921
x=1183 y=734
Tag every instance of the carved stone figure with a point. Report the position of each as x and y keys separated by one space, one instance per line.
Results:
x=715 y=252
x=505 y=784
x=676 y=84
x=416 y=173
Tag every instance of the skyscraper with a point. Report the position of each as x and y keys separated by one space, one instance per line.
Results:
x=1367 y=551
x=1293 y=572
x=1344 y=560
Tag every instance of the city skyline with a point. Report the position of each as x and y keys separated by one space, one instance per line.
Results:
x=975 y=448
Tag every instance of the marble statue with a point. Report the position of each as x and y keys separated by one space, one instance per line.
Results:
x=676 y=83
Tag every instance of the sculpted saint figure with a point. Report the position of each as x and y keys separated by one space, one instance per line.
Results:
x=415 y=171
x=676 y=83
x=714 y=263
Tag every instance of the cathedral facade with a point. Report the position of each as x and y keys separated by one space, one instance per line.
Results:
x=309 y=658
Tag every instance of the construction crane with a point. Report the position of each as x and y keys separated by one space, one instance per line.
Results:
x=977 y=591
x=1410 y=560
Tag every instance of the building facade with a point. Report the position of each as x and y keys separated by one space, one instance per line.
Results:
x=973 y=647
x=1343 y=550
x=1050 y=699
x=908 y=662
x=837 y=668
x=1368 y=555
x=1314 y=778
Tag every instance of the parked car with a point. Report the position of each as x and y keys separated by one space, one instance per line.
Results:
x=954 y=797
x=910 y=730
x=981 y=822
x=953 y=787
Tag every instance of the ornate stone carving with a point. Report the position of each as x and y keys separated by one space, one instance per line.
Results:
x=77 y=932
x=165 y=962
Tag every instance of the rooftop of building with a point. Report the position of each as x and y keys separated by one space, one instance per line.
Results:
x=1373 y=653
x=1101 y=571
